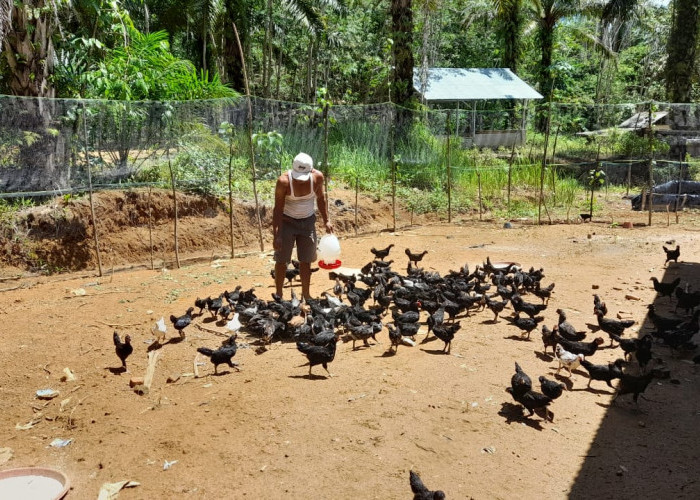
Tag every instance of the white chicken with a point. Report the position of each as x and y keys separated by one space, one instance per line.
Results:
x=567 y=359
x=159 y=330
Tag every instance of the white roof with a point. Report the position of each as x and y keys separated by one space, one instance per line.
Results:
x=472 y=84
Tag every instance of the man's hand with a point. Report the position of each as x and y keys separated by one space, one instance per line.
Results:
x=277 y=242
x=329 y=227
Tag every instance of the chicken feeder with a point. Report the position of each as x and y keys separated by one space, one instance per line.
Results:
x=328 y=252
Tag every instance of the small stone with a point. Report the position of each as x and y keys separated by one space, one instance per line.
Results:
x=173 y=378
x=134 y=381
x=595 y=287
x=629 y=296
x=507 y=225
x=627 y=225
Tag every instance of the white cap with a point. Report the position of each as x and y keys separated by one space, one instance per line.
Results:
x=302 y=166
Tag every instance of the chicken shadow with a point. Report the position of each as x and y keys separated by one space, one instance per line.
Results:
x=544 y=357
x=310 y=376
x=116 y=370
x=565 y=380
x=518 y=337
x=666 y=435
x=592 y=390
x=435 y=352
x=515 y=413
x=155 y=345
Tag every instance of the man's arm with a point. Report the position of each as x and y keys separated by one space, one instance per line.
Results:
x=280 y=194
x=321 y=200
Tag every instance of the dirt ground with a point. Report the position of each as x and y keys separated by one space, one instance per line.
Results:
x=269 y=431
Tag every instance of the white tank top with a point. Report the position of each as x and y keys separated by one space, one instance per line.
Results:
x=299 y=207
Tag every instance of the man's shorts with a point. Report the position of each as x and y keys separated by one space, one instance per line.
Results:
x=299 y=231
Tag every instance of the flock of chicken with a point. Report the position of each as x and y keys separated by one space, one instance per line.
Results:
x=317 y=325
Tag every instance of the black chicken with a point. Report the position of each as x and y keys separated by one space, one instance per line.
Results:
x=672 y=254
x=665 y=289
x=599 y=304
x=123 y=349
x=585 y=348
x=222 y=355
x=612 y=326
x=533 y=400
x=567 y=330
x=687 y=300
x=415 y=258
x=421 y=492
x=201 y=303
x=549 y=337
x=383 y=253
x=635 y=385
x=543 y=293
x=550 y=388
x=605 y=373
x=526 y=324
x=318 y=355
x=520 y=382
x=395 y=337
x=446 y=333
x=628 y=346
x=182 y=322
x=496 y=306
x=363 y=332
x=643 y=352
x=662 y=323
x=532 y=310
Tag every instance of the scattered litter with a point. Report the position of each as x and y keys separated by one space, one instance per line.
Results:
x=475 y=404
x=408 y=342
x=172 y=378
x=78 y=292
x=60 y=443
x=167 y=465
x=67 y=376
x=262 y=469
x=5 y=455
x=621 y=470
x=110 y=491
x=28 y=425
x=489 y=449
x=207 y=385
x=46 y=393
x=64 y=403
x=555 y=430
x=353 y=398
x=150 y=311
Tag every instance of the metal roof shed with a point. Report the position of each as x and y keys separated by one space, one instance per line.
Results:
x=455 y=85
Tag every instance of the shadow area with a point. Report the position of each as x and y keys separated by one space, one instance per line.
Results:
x=649 y=449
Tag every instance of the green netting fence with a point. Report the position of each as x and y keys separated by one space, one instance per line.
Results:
x=481 y=159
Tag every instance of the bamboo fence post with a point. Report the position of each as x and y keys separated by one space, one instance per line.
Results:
x=150 y=226
x=250 y=138
x=629 y=178
x=326 y=170
x=680 y=180
x=544 y=162
x=172 y=184
x=510 y=178
x=230 y=190
x=357 y=196
x=449 y=170
x=651 y=162
x=92 y=205
x=392 y=159
x=478 y=180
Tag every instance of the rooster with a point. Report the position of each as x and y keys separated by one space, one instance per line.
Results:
x=415 y=258
x=672 y=255
x=382 y=253
x=123 y=349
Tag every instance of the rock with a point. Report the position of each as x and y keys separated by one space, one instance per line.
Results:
x=67 y=375
x=172 y=378
x=507 y=225
x=632 y=297
x=595 y=287
x=134 y=381
x=627 y=225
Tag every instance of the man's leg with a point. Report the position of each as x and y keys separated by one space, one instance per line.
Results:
x=280 y=270
x=305 y=276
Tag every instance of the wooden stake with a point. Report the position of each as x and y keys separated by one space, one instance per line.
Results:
x=250 y=138
x=175 y=229
x=150 y=226
x=92 y=205
x=151 y=369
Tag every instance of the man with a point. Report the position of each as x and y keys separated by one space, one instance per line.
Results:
x=294 y=219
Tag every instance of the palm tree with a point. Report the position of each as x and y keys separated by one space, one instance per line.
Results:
x=402 y=33
x=682 y=51
x=510 y=25
x=5 y=18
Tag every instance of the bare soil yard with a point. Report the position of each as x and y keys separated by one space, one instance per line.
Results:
x=270 y=432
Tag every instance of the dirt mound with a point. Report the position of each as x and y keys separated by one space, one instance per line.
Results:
x=136 y=227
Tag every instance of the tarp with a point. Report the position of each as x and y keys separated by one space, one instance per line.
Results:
x=667 y=194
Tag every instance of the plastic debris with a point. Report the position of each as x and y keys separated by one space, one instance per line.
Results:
x=78 y=292
x=110 y=491
x=28 y=425
x=67 y=376
x=46 y=393
x=60 y=443
x=167 y=465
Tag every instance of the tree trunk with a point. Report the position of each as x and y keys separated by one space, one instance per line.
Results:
x=402 y=28
x=5 y=18
x=682 y=51
x=29 y=54
x=546 y=39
